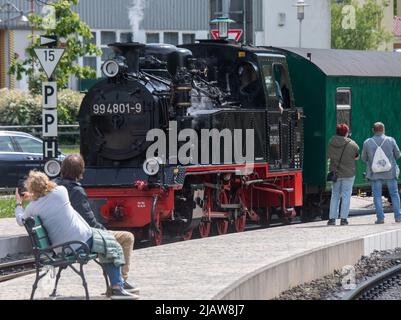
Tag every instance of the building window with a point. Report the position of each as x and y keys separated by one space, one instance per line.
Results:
x=171 y=38
x=126 y=37
x=107 y=37
x=152 y=38
x=90 y=62
x=91 y=41
x=188 y=38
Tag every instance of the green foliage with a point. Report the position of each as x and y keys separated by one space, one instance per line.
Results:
x=19 y=108
x=367 y=32
x=70 y=29
x=7 y=206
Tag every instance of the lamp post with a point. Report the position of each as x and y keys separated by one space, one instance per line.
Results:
x=300 y=5
x=10 y=8
x=223 y=24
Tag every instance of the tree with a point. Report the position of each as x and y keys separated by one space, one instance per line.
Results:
x=73 y=34
x=358 y=25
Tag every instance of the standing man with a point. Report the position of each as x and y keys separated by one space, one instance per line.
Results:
x=72 y=170
x=380 y=153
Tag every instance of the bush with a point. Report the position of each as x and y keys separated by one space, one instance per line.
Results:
x=69 y=103
x=19 y=108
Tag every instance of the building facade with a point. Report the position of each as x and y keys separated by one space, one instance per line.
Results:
x=263 y=22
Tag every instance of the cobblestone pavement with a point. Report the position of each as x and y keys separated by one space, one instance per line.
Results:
x=200 y=269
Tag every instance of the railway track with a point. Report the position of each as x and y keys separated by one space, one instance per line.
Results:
x=376 y=286
x=15 y=269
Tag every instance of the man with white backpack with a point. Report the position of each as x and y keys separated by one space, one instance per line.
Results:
x=381 y=153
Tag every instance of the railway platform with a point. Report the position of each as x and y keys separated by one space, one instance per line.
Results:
x=13 y=239
x=255 y=265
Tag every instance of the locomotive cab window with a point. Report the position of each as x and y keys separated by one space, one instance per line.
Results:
x=344 y=106
x=282 y=85
x=251 y=92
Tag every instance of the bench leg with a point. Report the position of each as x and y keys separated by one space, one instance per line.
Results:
x=54 y=294
x=37 y=279
x=82 y=275
x=84 y=283
x=106 y=278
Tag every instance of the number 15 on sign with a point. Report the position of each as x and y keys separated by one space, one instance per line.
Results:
x=49 y=59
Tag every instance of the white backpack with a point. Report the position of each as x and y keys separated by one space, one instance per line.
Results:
x=381 y=163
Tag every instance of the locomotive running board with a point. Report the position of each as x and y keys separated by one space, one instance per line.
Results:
x=231 y=206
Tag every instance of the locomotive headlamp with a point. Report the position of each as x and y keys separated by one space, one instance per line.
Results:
x=152 y=166
x=223 y=24
x=52 y=168
x=111 y=68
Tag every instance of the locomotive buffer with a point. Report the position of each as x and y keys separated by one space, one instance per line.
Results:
x=49 y=57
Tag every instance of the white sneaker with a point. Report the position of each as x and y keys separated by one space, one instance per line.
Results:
x=121 y=294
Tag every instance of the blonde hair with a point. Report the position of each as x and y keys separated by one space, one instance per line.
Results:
x=39 y=185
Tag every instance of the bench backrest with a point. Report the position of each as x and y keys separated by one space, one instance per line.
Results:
x=38 y=234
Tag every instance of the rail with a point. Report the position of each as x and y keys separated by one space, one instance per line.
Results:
x=16 y=269
x=377 y=285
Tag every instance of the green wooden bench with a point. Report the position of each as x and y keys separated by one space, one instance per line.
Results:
x=45 y=255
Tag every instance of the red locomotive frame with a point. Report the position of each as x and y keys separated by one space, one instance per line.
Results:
x=234 y=200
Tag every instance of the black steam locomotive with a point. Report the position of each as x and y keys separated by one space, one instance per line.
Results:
x=170 y=97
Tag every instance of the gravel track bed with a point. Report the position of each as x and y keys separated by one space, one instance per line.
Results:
x=331 y=287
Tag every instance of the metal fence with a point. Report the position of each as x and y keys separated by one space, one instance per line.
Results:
x=69 y=135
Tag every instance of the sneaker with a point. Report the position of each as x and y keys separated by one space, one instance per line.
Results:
x=331 y=222
x=379 y=222
x=131 y=288
x=344 y=222
x=121 y=294
x=398 y=220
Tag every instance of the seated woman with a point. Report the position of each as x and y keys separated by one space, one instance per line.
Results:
x=51 y=204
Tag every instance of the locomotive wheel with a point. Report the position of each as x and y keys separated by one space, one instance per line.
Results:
x=240 y=223
x=204 y=229
x=221 y=226
x=240 y=220
x=156 y=238
x=188 y=236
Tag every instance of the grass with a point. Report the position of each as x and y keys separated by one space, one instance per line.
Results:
x=69 y=150
x=7 y=206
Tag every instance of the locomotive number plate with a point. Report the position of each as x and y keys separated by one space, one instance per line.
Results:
x=117 y=109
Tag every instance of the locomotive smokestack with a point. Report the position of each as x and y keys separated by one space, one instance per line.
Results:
x=131 y=52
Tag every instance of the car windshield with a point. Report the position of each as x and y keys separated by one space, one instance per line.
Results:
x=6 y=144
x=30 y=145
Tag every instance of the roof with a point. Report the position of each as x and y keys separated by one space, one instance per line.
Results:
x=353 y=62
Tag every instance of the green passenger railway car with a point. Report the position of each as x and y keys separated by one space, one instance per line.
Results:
x=342 y=86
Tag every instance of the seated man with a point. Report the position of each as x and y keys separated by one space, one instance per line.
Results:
x=72 y=170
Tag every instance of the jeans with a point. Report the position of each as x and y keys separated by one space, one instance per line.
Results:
x=113 y=272
x=377 y=188
x=342 y=190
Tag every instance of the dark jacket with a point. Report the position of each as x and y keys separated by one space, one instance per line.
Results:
x=79 y=201
x=347 y=168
